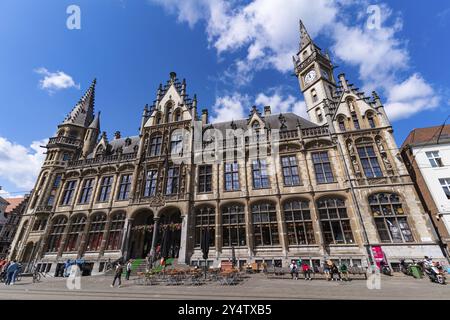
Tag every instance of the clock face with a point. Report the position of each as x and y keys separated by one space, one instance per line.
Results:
x=310 y=76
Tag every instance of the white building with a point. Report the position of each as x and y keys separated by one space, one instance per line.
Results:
x=427 y=154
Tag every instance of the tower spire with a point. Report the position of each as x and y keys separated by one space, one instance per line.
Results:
x=83 y=112
x=305 y=39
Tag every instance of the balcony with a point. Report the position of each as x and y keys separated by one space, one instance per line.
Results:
x=103 y=160
x=44 y=208
x=65 y=141
x=315 y=132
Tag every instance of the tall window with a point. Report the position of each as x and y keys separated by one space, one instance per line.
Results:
x=265 y=225
x=204 y=178
x=341 y=122
x=260 y=176
x=371 y=120
x=76 y=230
x=435 y=159
x=319 y=115
x=172 y=180
x=169 y=111
x=105 y=188
x=69 y=191
x=96 y=231
x=177 y=116
x=57 y=181
x=299 y=223
x=176 y=143
x=205 y=219
x=369 y=162
x=355 y=121
x=314 y=95
x=390 y=218
x=290 y=171
x=322 y=167
x=232 y=176
x=335 y=222
x=233 y=226
x=155 y=146
x=86 y=191
x=445 y=183
x=115 y=231
x=56 y=234
x=124 y=187
x=150 y=183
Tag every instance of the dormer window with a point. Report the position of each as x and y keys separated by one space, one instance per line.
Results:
x=341 y=122
x=169 y=112
x=127 y=142
x=355 y=121
x=371 y=120
x=177 y=116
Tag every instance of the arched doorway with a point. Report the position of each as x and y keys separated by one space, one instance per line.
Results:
x=141 y=235
x=169 y=234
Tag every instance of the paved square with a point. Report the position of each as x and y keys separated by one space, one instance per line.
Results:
x=253 y=287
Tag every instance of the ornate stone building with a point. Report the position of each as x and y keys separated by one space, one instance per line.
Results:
x=332 y=186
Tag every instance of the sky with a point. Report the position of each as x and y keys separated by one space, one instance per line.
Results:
x=233 y=55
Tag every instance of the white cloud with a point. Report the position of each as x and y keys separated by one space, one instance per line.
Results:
x=230 y=107
x=268 y=32
x=281 y=104
x=54 y=81
x=20 y=165
x=410 y=97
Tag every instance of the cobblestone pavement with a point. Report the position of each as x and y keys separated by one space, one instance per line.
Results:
x=254 y=287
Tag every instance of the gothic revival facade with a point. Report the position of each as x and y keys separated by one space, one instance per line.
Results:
x=332 y=186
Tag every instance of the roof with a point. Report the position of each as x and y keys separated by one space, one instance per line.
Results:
x=128 y=145
x=274 y=121
x=83 y=112
x=428 y=136
x=14 y=203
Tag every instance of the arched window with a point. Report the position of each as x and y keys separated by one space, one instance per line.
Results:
x=39 y=224
x=115 y=231
x=155 y=145
x=369 y=162
x=390 y=218
x=233 y=226
x=96 y=231
x=265 y=225
x=158 y=119
x=56 y=234
x=299 y=223
x=319 y=115
x=76 y=230
x=341 y=122
x=205 y=219
x=169 y=112
x=371 y=120
x=335 y=222
x=355 y=120
x=177 y=115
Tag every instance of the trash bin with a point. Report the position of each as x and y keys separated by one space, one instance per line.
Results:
x=416 y=272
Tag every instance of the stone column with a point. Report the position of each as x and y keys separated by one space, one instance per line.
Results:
x=282 y=232
x=249 y=231
x=126 y=238
x=155 y=232
x=218 y=231
x=105 y=236
x=64 y=239
x=182 y=255
x=83 y=239
x=317 y=226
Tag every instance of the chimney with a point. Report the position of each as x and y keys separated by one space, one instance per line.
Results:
x=267 y=111
x=117 y=135
x=204 y=116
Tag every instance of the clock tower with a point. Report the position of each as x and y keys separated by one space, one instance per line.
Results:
x=314 y=71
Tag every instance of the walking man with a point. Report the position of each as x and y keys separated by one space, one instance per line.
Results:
x=129 y=264
x=12 y=268
x=118 y=274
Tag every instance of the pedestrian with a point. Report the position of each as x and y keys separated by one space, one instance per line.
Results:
x=129 y=264
x=294 y=270
x=16 y=273
x=335 y=272
x=118 y=274
x=13 y=266
x=306 y=271
x=343 y=269
x=327 y=269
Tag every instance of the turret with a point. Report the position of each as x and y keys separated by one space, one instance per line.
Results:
x=91 y=137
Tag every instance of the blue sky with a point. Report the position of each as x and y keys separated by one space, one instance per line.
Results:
x=233 y=54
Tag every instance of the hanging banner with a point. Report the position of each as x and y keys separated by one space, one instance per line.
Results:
x=378 y=255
